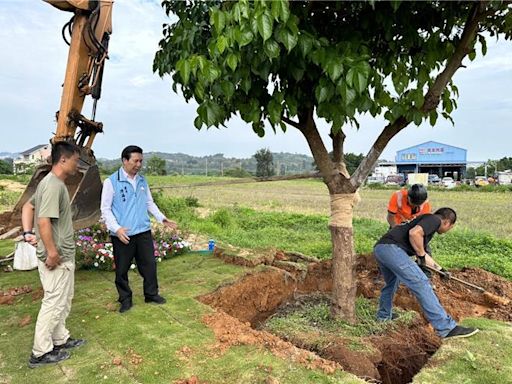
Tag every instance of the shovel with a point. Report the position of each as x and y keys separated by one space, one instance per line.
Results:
x=492 y=299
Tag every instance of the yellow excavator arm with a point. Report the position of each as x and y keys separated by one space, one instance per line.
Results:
x=89 y=29
x=87 y=33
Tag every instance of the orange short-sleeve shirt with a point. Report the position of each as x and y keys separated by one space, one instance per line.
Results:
x=404 y=212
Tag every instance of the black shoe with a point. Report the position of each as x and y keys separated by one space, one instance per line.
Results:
x=155 y=299
x=125 y=306
x=459 y=332
x=70 y=343
x=51 y=357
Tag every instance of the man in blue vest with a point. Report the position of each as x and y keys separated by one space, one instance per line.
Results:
x=125 y=203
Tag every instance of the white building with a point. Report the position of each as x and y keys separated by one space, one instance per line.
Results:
x=384 y=169
x=31 y=158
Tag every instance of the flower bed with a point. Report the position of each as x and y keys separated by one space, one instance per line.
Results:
x=94 y=249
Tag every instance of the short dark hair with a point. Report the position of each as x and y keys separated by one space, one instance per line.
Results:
x=447 y=214
x=127 y=152
x=63 y=148
x=417 y=194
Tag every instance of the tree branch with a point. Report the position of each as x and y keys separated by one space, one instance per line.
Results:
x=371 y=158
x=316 y=145
x=291 y=122
x=338 y=140
x=433 y=95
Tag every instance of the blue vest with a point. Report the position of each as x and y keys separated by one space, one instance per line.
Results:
x=130 y=206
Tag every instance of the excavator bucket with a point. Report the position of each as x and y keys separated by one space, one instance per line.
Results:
x=84 y=192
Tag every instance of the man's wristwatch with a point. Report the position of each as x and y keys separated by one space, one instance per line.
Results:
x=25 y=233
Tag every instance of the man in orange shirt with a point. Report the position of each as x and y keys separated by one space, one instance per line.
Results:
x=406 y=204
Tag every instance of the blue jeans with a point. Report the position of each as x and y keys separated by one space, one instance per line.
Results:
x=396 y=267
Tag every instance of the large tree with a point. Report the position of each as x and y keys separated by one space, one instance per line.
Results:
x=156 y=166
x=295 y=63
x=264 y=163
x=6 y=167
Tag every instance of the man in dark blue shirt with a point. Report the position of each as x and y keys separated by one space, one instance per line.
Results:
x=393 y=253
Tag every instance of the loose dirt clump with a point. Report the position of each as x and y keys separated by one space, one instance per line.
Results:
x=397 y=355
x=231 y=331
x=8 y=296
x=190 y=380
x=26 y=320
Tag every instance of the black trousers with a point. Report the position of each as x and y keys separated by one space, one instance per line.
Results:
x=141 y=248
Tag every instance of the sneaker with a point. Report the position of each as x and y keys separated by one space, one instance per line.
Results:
x=70 y=343
x=125 y=306
x=155 y=299
x=459 y=332
x=51 y=357
x=394 y=316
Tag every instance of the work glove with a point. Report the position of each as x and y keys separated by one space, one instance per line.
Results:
x=423 y=266
x=445 y=275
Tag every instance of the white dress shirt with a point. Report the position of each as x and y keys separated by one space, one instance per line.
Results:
x=107 y=196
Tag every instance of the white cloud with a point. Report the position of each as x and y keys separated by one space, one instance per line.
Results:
x=142 y=80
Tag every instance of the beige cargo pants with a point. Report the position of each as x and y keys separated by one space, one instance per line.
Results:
x=58 y=286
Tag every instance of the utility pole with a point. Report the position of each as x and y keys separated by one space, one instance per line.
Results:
x=206 y=167
x=221 y=168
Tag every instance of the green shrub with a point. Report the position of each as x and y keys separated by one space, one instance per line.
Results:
x=237 y=172
x=495 y=188
x=463 y=188
x=223 y=218
x=192 y=201
x=8 y=199
x=176 y=208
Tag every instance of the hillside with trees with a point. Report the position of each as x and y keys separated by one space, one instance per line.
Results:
x=218 y=164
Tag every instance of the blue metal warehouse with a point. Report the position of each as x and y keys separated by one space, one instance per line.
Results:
x=433 y=158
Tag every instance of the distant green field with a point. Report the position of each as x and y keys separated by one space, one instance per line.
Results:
x=478 y=211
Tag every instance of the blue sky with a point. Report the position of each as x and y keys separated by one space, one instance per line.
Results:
x=137 y=107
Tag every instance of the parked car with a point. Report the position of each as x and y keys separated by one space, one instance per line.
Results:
x=448 y=182
x=480 y=181
x=395 y=180
x=434 y=179
x=378 y=179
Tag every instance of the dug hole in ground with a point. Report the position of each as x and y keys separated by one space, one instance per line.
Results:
x=289 y=280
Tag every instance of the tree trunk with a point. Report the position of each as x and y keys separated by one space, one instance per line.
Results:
x=343 y=257
x=343 y=274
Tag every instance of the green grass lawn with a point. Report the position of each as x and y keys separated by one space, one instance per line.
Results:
x=485 y=358
x=154 y=333
x=6 y=247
